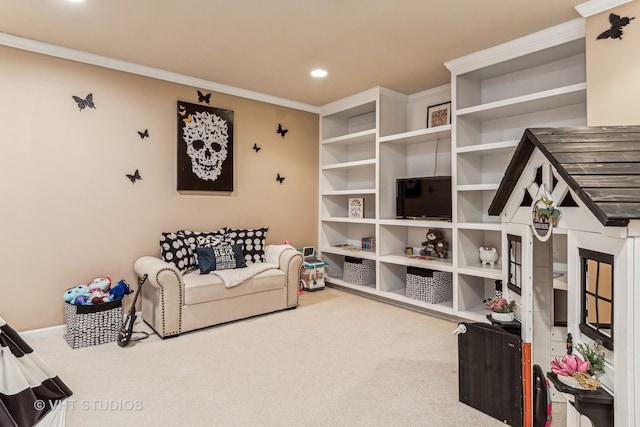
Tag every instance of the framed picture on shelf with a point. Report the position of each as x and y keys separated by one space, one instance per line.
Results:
x=356 y=207
x=439 y=115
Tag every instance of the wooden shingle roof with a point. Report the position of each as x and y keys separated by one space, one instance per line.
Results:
x=600 y=164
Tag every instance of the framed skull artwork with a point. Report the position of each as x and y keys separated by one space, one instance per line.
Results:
x=205 y=148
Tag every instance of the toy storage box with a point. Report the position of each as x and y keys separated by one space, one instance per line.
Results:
x=430 y=286
x=359 y=271
x=89 y=325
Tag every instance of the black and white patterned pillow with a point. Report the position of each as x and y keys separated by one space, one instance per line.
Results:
x=175 y=251
x=252 y=241
x=194 y=239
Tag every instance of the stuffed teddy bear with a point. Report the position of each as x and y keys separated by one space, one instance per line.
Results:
x=429 y=249
x=120 y=290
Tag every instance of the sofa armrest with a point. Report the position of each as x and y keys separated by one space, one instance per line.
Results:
x=291 y=264
x=162 y=296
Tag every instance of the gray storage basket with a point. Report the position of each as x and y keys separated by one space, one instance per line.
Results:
x=359 y=271
x=89 y=325
x=430 y=286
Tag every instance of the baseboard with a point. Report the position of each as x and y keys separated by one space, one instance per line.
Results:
x=51 y=331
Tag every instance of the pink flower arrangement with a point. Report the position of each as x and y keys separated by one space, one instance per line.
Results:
x=569 y=365
x=501 y=305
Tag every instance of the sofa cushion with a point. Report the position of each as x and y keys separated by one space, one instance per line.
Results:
x=253 y=242
x=221 y=257
x=195 y=239
x=199 y=288
x=174 y=250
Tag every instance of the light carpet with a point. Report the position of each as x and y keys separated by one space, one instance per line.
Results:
x=336 y=360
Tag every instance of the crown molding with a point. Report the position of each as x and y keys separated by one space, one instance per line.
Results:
x=553 y=36
x=593 y=7
x=142 y=70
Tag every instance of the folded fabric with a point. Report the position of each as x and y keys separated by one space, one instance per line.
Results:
x=220 y=258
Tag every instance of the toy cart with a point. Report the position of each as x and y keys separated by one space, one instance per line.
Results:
x=312 y=276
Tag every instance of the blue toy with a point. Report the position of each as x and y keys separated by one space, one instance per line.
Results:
x=120 y=290
x=71 y=294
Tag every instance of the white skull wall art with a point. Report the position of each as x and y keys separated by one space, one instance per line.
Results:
x=205 y=148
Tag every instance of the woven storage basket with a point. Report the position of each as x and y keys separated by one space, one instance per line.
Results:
x=89 y=325
x=430 y=286
x=359 y=271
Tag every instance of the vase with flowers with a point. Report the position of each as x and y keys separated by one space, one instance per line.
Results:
x=571 y=369
x=501 y=309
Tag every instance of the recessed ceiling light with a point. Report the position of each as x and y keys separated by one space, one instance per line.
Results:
x=319 y=73
x=75 y=1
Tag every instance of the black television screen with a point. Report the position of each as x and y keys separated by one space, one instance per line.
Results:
x=428 y=197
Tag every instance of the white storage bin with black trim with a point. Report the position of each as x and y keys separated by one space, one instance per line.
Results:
x=430 y=286
x=89 y=325
x=359 y=271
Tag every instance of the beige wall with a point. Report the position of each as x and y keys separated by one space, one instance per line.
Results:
x=613 y=70
x=69 y=214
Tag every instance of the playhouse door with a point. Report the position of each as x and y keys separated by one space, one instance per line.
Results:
x=490 y=372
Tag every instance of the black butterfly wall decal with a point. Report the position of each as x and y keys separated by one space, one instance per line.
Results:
x=83 y=103
x=255 y=147
x=615 y=32
x=144 y=134
x=136 y=176
x=204 y=98
x=281 y=131
x=280 y=178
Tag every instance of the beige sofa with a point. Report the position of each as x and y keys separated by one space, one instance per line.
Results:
x=173 y=302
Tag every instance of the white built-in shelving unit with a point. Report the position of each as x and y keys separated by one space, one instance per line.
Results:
x=370 y=139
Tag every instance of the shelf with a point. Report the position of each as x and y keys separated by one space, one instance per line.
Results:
x=431 y=264
x=487 y=271
x=478 y=187
x=420 y=135
x=545 y=100
x=349 y=220
x=399 y=295
x=417 y=223
x=354 y=138
x=490 y=148
x=357 y=253
x=335 y=280
x=349 y=192
x=351 y=165
x=480 y=226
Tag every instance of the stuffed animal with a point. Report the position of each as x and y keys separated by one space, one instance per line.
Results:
x=120 y=290
x=71 y=294
x=442 y=249
x=102 y=283
x=98 y=296
x=434 y=237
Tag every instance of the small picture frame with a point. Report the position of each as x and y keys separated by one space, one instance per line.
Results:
x=356 y=207
x=439 y=114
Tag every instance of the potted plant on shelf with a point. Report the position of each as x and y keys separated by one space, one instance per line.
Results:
x=501 y=309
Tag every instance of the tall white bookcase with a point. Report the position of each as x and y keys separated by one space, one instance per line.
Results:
x=370 y=139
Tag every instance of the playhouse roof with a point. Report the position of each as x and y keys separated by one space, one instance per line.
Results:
x=600 y=164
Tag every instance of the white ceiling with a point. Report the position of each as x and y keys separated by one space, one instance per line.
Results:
x=270 y=46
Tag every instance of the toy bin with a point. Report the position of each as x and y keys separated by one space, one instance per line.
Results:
x=89 y=325
x=430 y=286
x=359 y=271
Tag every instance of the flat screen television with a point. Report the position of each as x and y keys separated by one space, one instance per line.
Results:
x=424 y=198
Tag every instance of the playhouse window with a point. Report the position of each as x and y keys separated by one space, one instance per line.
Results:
x=515 y=263
x=597 y=296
